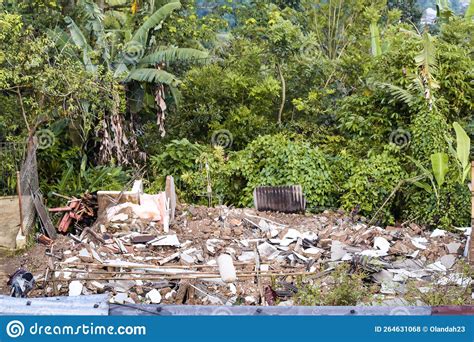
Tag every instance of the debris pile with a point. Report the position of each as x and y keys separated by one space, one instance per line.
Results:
x=224 y=256
x=78 y=211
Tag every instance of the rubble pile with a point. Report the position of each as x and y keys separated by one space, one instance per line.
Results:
x=224 y=256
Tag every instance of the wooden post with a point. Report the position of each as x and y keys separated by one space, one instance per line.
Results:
x=20 y=204
x=471 y=247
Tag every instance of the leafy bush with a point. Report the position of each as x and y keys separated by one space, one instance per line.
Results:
x=75 y=182
x=428 y=132
x=198 y=171
x=277 y=160
x=178 y=157
x=207 y=183
x=452 y=209
x=371 y=183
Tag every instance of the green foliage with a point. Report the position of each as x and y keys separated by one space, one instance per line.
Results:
x=441 y=291
x=447 y=208
x=428 y=132
x=199 y=171
x=277 y=160
x=178 y=157
x=208 y=183
x=294 y=82
x=375 y=39
x=343 y=289
x=439 y=164
x=74 y=182
x=240 y=95
x=372 y=182
x=463 y=151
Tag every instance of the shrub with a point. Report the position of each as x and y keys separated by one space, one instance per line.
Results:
x=428 y=132
x=277 y=160
x=178 y=157
x=199 y=171
x=453 y=208
x=371 y=183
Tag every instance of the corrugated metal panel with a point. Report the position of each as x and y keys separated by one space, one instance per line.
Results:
x=285 y=199
x=93 y=305
x=198 y=310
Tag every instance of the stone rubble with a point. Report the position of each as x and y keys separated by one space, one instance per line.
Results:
x=137 y=262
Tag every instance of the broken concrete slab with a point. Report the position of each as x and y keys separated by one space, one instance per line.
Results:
x=75 y=288
x=453 y=247
x=154 y=296
x=448 y=260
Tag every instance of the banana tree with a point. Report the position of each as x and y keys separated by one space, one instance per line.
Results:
x=138 y=60
x=440 y=162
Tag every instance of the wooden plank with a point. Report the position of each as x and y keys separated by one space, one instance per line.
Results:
x=170 y=191
x=44 y=216
x=94 y=305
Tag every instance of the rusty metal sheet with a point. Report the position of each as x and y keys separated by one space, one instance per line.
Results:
x=285 y=199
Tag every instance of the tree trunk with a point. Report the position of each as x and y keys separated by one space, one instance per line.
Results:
x=283 y=93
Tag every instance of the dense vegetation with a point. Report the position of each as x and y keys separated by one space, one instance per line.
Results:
x=354 y=100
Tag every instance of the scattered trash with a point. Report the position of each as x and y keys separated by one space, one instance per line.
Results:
x=21 y=283
x=154 y=296
x=229 y=256
x=226 y=268
x=82 y=211
x=75 y=288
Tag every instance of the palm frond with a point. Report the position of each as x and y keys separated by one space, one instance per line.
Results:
x=81 y=42
x=426 y=59
x=62 y=42
x=174 y=54
x=94 y=18
x=399 y=93
x=177 y=96
x=120 y=69
x=375 y=39
x=76 y=34
x=153 y=76
x=141 y=34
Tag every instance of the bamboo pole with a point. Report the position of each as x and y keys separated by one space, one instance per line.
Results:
x=118 y=265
